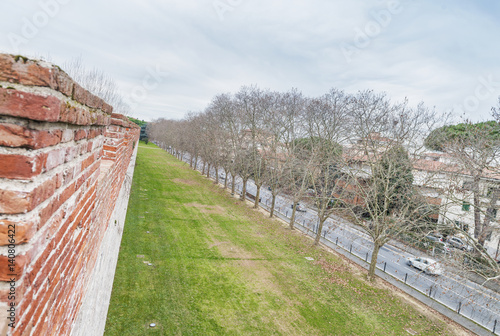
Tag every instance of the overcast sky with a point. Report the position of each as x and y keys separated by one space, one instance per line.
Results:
x=171 y=57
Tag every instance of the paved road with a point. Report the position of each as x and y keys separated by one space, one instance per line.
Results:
x=459 y=294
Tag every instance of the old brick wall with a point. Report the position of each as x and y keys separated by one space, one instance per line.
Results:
x=63 y=160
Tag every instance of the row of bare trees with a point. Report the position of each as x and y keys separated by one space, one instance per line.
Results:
x=352 y=155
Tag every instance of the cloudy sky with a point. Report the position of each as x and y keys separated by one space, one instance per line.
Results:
x=170 y=57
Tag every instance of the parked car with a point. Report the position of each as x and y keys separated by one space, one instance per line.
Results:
x=442 y=247
x=458 y=243
x=299 y=208
x=426 y=265
x=435 y=237
x=430 y=239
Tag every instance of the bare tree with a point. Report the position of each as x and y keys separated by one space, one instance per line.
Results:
x=194 y=144
x=232 y=133
x=495 y=111
x=327 y=127
x=282 y=127
x=380 y=168
x=98 y=83
x=255 y=105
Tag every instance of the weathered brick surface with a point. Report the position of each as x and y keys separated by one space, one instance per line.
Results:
x=64 y=159
x=18 y=136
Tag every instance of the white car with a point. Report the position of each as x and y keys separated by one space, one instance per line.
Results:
x=299 y=208
x=426 y=265
x=460 y=244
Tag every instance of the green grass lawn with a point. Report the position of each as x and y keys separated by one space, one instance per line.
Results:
x=222 y=268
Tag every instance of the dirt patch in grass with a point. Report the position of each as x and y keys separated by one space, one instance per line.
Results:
x=184 y=181
x=253 y=267
x=217 y=244
x=209 y=209
x=229 y=250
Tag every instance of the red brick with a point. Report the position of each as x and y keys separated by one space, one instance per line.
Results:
x=83 y=96
x=43 y=192
x=110 y=148
x=80 y=134
x=23 y=231
x=94 y=132
x=19 y=136
x=67 y=135
x=24 y=330
x=29 y=105
x=51 y=208
x=47 y=302
x=73 y=114
x=71 y=153
x=29 y=72
x=21 y=166
x=21 y=293
x=37 y=265
x=68 y=175
x=21 y=70
x=90 y=145
x=59 y=180
x=43 y=268
x=5 y=271
x=12 y=202
x=54 y=158
x=107 y=109
x=23 y=308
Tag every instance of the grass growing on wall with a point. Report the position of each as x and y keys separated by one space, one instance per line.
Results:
x=222 y=268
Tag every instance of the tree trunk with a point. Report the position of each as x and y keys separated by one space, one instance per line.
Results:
x=208 y=170
x=225 y=179
x=292 y=219
x=373 y=262
x=477 y=208
x=190 y=161
x=273 y=202
x=498 y=250
x=233 y=183
x=486 y=228
x=320 y=229
x=216 y=175
x=257 y=196
x=195 y=162
x=203 y=170
x=244 y=190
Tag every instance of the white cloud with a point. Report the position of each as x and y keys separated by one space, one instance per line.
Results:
x=436 y=52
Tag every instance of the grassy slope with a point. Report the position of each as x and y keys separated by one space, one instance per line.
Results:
x=221 y=268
